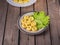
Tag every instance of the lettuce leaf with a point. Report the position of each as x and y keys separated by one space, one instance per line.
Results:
x=41 y=19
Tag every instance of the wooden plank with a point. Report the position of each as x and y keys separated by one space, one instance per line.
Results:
x=53 y=9
x=32 y=40
x=58 y=20
x=3 y=10
x=11 y=31
x=44 y=38
x=58 y=24
x=26 y=39
x=58 y=28
x=40 y=5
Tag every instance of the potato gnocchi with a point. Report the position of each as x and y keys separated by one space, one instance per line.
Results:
x=28 y=23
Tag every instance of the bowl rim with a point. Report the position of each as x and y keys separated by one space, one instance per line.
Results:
x=21 y=5
x=28 y=32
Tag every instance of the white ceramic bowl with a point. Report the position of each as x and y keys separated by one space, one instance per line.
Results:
x=29 y=32
x=21 y=5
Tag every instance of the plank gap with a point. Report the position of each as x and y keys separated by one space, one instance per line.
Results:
x=19 y=30
x=19 y=37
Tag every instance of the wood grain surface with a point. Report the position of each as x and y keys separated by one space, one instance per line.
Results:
x=3 y=11
x=10 y=34
x=53 y=10
x=11 y=31
x=44 y=38
x=24 y=38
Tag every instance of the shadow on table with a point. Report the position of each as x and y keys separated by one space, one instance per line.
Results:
x=59 y=2
x=43 y=33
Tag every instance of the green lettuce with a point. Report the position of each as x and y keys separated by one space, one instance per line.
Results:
x=41 y=19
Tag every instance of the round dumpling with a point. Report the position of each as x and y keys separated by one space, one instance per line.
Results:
x=15 y=1
x=31 y=18
x=28 y=28
x=33 y=23
x=34 y=29
x=26 y=17
x=28 y=22
x=22 y=21
x=21 y=2
x=23 y=26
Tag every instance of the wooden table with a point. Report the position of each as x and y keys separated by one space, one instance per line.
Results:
x=10 y=34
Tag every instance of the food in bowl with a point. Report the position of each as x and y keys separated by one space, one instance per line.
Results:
x=29 y=23
x=21 y=1
x=35 y=21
